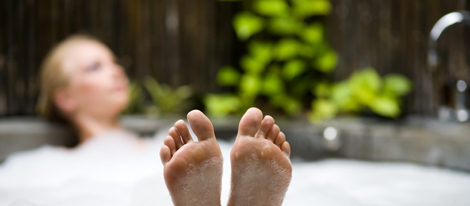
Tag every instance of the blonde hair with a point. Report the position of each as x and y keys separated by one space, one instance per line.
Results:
x=53 y=77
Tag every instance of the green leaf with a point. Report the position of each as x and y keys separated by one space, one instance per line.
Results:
x=326 y=62
x=250 y=84
x=154 y=88
x=272 y=85
x=385 y=106
x=322 y=89
x=247 y=25
x=135 y=98
x=307 y=51
x=252 y=65
x=366 y=85
x=277 y=99
x=291 y=106
x=271 y=7
x=293 y=68
x=284 y=25
x=341 y=92
x=306 y=8
x=261 y=51
x=183 y=92
x=313 y=34
x=342 y=96
x=322 y=110
x=396 y=85
x=222 y=104
x=370 y=79
x=286 y=49
x=166 y=99
x=228 y=76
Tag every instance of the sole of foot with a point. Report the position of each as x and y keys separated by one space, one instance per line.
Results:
x=261 y=169
x=193 y=170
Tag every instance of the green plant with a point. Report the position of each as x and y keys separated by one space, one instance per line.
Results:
x=135 y=99
x=287 y=55
x=165 y=99
x=287 y=64
x=365 y=89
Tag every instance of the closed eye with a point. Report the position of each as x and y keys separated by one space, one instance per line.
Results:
x=94 y=67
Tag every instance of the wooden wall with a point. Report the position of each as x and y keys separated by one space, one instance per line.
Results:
x=392 y=36
x=186 y=41
x=177 y=41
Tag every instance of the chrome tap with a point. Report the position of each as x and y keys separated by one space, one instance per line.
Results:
x=459 y=111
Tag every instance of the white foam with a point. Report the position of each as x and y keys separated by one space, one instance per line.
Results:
x=252 y=173
x=119 y=170
x=197 y=174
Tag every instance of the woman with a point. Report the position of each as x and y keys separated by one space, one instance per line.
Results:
x=82 y=83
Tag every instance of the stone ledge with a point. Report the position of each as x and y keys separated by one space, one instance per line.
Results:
x=419 y=140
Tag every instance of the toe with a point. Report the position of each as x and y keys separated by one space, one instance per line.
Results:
x=165 y=154
x=176 y=137
x=170 y=143
x=266 y=125
x=201 y=125
x=250 y=122
x=183 y=130
x=273 y=133
x=285 y=147
x=281 y=138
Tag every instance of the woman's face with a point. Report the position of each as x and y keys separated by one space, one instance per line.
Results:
x=97 y=83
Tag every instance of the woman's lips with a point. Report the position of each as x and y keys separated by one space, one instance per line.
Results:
x=119 y=87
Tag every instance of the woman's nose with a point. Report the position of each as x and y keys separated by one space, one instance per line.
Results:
x=118 y=71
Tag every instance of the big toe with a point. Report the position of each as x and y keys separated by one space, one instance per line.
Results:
x=201 y=125
x=250 y=122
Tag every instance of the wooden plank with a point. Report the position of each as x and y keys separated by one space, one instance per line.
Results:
x=186 y=42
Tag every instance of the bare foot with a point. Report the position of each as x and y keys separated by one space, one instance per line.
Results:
x=193 y=170
x=261 y=170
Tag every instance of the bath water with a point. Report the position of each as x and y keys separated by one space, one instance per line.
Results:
x=117 y=169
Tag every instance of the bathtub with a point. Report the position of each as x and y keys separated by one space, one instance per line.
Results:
x=415 y=161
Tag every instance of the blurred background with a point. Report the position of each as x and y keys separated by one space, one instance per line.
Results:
x=309 y=61
x=187 y=42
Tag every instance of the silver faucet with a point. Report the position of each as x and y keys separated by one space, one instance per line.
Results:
x=460 y=110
